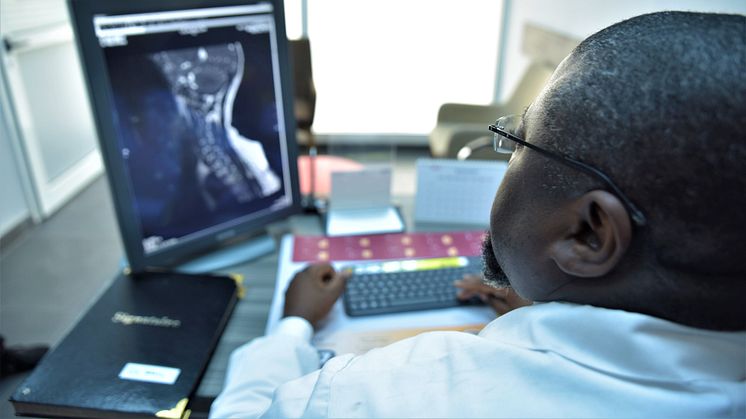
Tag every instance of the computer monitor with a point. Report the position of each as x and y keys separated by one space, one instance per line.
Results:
x=193 y=106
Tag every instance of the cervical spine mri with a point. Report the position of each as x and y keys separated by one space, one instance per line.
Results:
x=204 y=82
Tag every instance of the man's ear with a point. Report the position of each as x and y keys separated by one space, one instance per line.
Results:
x=596 y=235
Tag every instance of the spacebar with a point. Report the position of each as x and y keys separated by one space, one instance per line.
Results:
x=415 y=301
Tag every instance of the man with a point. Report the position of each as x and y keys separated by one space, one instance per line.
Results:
x=621 y=214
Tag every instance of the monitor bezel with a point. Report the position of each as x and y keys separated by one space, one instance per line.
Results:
x=99 y=93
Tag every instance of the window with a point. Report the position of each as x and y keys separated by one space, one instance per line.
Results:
x=386 y=66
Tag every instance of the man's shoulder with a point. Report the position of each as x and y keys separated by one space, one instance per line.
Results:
x=424 y=349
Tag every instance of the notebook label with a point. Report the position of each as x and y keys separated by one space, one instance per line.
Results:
x=149 y=373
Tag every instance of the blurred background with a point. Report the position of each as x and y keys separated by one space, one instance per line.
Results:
x=382 y=72
x=376 y=81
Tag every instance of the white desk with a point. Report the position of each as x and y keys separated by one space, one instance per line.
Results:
x=338 y=321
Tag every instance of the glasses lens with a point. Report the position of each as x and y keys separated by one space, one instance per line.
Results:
x=502 y=143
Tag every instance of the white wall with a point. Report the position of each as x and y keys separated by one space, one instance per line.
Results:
x=42 y=71
x=581 y=18
x=19 y=16
x=13 y=207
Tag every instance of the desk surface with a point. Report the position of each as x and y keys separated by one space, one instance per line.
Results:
x=250 y=316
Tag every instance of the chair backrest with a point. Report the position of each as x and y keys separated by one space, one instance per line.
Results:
x=530 y=85
x=305 y=91
x=528 y=88
x=545 y=48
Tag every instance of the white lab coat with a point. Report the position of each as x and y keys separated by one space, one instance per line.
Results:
x=546 y=360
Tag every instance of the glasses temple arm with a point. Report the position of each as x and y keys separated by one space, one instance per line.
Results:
x=637 y=216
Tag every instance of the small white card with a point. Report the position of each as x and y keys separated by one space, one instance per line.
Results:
x=455 y=191
x=363 y=221
x=149 y=373
x=366 y=188
x=360 y=203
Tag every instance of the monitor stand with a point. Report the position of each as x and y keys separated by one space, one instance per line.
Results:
x=234 y=254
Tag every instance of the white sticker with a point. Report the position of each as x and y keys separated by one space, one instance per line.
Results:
x=149 y=373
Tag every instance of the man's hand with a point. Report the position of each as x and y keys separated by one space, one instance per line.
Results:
x=313 y=291
x=502 y=300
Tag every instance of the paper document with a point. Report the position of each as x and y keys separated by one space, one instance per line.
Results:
x=363 y=221
x=366 y=188
x=456 y=191
x=337 y=321
x=360 y=203
x=358 y=343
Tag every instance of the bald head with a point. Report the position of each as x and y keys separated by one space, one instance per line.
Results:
x=658 y=103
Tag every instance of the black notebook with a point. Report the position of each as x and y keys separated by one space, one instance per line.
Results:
x=139 y=351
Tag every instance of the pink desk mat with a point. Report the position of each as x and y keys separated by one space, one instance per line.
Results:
x=387 y=246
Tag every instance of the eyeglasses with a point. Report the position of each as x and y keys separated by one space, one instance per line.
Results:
x=505 y=142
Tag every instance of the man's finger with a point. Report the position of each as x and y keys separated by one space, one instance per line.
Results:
x=498 y=292
x=321 y=268
x=464 y=294
x=320 y=272
x=338 y=281
x=467 y=285
x=480 y=288
x=472 y=278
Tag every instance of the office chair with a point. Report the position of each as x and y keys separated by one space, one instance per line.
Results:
x=480 y=149
x=314 y=171
x=304 y=108
x=305 y=90
x=462 y=125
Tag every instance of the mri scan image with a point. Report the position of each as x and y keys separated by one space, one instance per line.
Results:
x=200 y=131
x=204 y=82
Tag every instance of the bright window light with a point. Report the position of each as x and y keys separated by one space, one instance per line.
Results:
x=386 y=66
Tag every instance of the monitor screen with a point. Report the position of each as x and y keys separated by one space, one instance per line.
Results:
x=192 y=104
